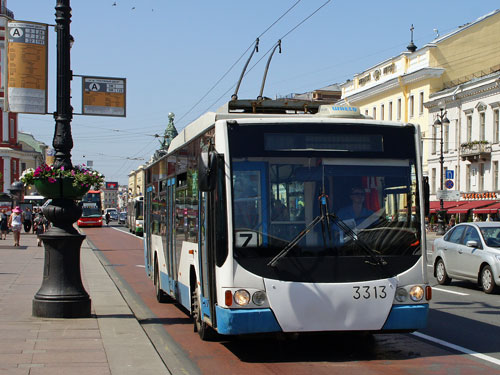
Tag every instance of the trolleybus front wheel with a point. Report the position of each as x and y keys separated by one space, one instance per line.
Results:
x=205 y=332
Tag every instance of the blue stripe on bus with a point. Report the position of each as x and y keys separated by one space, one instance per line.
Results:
x=407 y=317
x=241 y=321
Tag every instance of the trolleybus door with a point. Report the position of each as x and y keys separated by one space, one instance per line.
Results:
x=147 y=230
x=171 y=251
x=207 y=245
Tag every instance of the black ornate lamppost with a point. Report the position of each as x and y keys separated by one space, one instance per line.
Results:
x=441 y=120
x=62 y=294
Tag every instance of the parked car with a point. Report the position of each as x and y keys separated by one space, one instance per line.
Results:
x=122 y=218
x=469 y=251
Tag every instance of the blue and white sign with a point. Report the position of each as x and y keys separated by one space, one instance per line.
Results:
x=449 y=174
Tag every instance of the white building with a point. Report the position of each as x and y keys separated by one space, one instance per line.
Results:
x=471 y=141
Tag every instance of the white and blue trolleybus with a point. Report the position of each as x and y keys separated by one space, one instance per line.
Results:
x=290 y=216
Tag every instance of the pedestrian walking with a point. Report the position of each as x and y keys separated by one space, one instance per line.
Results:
x=27 y=220
x=4 y=225
x=15 y=223
x=40 y=225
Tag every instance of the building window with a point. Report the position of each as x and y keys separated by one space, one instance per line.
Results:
x=23 y=167
x=412 y=106
x=390 y=111
x=382 y=110
x=496 y=115
x=374 y=113
x=481 y=177
x=446 y=136
x=469 y=128
x=494 y=176
x=433 y=148
x=467 y=177
x=482 y=120
x=421 y=104
x=366 y=112
x=433 y=181
x=398 y=111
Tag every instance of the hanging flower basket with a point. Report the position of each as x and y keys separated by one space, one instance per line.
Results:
x=62 y=183
x=61 y=188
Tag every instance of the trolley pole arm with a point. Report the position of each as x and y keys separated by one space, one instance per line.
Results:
x=255 y=49
x=267 y=68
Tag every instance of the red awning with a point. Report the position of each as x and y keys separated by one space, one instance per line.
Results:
x=464 y=208
x=434 y=205
x=488 y=209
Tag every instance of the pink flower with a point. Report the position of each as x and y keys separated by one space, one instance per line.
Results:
x=62 y=168
x=72 y=173
x=36 y=173
x=51 y=180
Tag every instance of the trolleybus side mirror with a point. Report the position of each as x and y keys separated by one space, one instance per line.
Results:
x=427 y=209
x=207 y=171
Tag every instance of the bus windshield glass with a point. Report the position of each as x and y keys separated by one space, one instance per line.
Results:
x=332 y=195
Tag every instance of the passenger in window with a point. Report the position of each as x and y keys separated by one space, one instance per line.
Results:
x=279 y=211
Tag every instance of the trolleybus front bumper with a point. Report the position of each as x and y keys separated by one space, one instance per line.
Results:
x=247 y=321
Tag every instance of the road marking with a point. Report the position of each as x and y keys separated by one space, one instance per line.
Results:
x=449 y=291
x=123 y=231
x=458 y=348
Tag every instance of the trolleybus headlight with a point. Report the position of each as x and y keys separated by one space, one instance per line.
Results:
x=259 y=298
x=416 y=293
x=242 y=297
x=401 y=295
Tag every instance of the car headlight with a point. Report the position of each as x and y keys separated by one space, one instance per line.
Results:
x=416 y=293
x=259 y=298
x=401 y=295
x=242 y=297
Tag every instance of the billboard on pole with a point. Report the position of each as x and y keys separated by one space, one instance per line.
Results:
x=27 y=67
x=103 y=96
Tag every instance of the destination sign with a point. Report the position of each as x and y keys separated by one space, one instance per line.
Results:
x=103 y=96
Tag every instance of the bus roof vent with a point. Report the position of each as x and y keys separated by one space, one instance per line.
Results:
x=341 y=111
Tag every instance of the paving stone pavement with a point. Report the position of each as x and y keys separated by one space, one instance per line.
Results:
x=111 y=341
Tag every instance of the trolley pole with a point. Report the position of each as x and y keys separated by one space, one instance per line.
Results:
x=62 y=294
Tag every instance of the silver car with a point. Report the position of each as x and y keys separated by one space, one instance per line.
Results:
x=469 y=251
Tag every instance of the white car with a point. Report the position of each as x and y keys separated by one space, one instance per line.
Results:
x=469 y=251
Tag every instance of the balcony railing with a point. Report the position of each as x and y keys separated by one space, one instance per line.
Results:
x=474 y=151
x=7 y=12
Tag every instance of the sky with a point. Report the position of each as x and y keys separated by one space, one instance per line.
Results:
x=186 y=57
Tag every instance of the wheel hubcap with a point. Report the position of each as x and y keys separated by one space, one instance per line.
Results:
x=486 y=279
x=440 y=271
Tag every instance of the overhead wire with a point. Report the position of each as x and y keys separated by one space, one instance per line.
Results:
x=239 y=58
x=269 y=50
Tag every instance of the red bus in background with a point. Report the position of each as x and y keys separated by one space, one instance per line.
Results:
x=91 y=210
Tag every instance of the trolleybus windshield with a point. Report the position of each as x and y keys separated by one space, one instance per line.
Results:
x=361 y=180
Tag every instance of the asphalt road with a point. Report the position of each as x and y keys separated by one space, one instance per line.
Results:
x=462 y=314
x=467 y=325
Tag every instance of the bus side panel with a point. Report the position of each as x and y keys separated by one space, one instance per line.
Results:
x=189 y=254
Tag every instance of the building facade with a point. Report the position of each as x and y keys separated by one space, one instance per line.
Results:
x=470 y=142
x=136 y=183
x=398 y=88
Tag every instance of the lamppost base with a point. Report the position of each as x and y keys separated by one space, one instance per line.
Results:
x=60 y=308
x=62 y=294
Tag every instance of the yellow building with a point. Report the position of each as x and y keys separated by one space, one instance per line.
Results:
x=136 y=183
x=397 y=88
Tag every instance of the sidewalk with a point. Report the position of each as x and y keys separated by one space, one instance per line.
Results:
x=110 y=342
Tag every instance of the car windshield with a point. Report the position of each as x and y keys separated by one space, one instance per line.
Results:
x=491 y=236
x=279 y=199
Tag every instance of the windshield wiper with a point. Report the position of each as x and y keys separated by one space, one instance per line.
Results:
x=322 y=218
x=347 y=230
x=325 y=218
